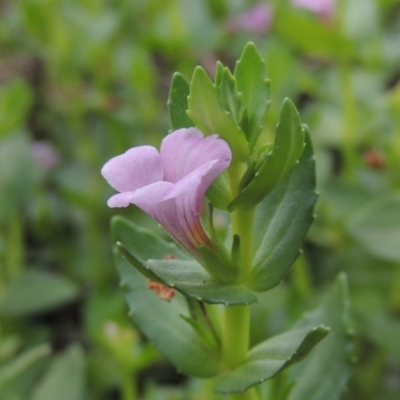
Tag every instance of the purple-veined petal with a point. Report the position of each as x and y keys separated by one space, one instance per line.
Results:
x=138 y=167
x=185 y=150
x=149 y=197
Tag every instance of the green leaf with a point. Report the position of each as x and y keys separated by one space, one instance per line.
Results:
x=253 y=84
x=229 y=97
x=159 y=320
x=312 y=37
x=206 y=112
x=65 y=377
x=376 y=226
x=37 y=291
x=177 y=102
x=21 y=363
x=281 y=222
x=288 y=146
x=269 y=358
x=192 y=280
x=333 y=357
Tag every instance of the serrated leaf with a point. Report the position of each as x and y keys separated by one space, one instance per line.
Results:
x=333 y=356
x=288 y=146
x=281 y=222
x=191 y=279
x=229 y=97
x=376 y=226
x=269 y=358
x=65 y=377
x=177 y=102
x=206 y=112
x=159 y=320
x=252 y=82
x=36 y=291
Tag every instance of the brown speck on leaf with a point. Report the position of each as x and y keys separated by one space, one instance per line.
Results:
x=170 y=257
x=163 y=292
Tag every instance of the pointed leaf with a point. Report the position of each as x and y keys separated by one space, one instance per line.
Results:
x=281 y=222
x=206 y=112
x=252 y=82
x=333 y=356
x=191 y=279
x=159 y=320
x=177 y=102
x=288 y=147
x=268 y=358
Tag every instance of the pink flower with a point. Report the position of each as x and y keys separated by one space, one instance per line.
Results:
x=45 y=155
x=170 y=185
x=323 y=8
x=256 y=20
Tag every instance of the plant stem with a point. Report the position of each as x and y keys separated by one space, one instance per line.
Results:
x=302 y=278
x=236 y=329
x=395 y=292
x=349 y=108
x=235 y=335
x=129 y=386
x=14 y=251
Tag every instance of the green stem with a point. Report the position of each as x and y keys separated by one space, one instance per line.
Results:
x=236 y=329
x=302 y=278
x=349 y=110
x=243 y=219
x=395 y=292
x=129 y=391
x=14 y=250
x=235 y=335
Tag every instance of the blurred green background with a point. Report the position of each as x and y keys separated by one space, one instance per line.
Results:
x=84 y=80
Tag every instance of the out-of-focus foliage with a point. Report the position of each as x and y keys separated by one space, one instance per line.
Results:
x=84 y=80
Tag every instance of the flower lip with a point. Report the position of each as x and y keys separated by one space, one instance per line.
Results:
x=170 y=185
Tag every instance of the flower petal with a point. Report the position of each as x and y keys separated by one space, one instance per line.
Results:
x=149 y=197
x=138 y=167
x=185 y=150
x=120 y=200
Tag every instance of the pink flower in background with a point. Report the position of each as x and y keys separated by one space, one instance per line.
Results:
x=323 y=8
x=170 y=185
x=256 y=20
x=45 y=155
